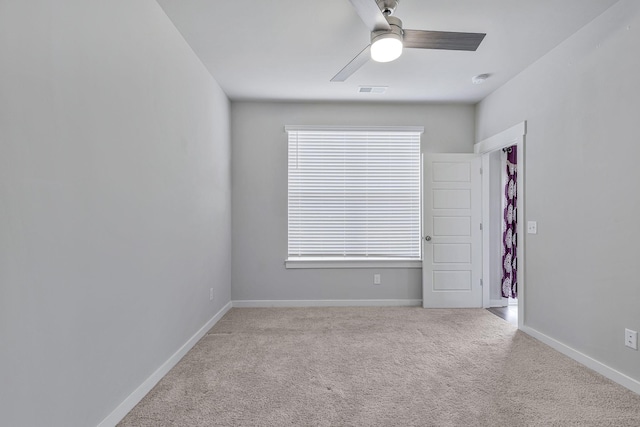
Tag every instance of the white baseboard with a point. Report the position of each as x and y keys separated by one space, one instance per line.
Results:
x=497 y=303
x=134 y=398
x=599 y=367
x=330 y=303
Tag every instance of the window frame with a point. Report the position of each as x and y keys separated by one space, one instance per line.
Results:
x=309 y=262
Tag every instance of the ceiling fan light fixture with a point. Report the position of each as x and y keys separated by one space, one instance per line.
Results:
x=386 y=45
x=386 y=48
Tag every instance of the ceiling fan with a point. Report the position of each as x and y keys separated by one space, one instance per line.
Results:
x=388 y=37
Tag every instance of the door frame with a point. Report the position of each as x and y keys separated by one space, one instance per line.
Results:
x=515 y=135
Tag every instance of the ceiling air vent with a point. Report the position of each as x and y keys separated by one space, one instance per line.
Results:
x=372 y=89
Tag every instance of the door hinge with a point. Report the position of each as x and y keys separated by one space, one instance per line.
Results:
x=481 y=284
x=480 y=171
x=480 y=226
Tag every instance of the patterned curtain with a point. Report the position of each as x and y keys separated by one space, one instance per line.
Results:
x=509 y=237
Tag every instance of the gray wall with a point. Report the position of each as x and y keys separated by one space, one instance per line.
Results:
x=259 y=167
x=114 y=204
x=581 y=103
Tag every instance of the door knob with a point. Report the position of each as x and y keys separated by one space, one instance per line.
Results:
x=427 y=238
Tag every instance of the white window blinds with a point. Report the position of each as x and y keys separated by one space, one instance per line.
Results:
x=354 y=193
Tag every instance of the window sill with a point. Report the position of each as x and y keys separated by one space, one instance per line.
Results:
x=351 y=263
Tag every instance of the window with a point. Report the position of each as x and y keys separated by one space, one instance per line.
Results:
x=354 y=194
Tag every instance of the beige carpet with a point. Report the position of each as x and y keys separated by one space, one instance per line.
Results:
x=379 y=367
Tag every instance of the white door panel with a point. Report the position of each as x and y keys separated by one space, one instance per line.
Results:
x=451 y=199
x=452 y=253
x=451 y=265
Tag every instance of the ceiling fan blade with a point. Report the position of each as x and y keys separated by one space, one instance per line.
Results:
x=354 y=65
x=371 y=15
x=442 y=40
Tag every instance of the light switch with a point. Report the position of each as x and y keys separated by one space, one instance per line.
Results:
x=532 y=227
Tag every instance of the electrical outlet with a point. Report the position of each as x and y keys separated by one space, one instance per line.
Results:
x=631 y=339
x=377 y=279
x=210 y=294
x=532 y=227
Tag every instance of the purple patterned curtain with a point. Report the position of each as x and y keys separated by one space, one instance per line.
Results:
x=509 y=237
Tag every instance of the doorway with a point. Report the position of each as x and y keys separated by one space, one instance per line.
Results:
x=492 y=217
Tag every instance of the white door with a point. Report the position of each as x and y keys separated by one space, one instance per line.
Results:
x=451 y=256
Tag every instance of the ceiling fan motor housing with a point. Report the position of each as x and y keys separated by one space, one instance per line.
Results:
x=395 y=31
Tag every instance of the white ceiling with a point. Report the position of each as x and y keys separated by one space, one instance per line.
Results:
x=290 y=49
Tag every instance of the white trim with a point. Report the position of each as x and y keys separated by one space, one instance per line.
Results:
x=293 y=128
x=486 y=232
x=504 y=139
x=139 y=393
x=522 y=238
x=329 y=303
x=599 y=367
x=337 y=263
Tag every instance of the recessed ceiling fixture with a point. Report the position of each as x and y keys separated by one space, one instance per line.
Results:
x=388 y=38
x=479 y=79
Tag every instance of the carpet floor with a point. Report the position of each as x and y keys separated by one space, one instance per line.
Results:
x=378 y=367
